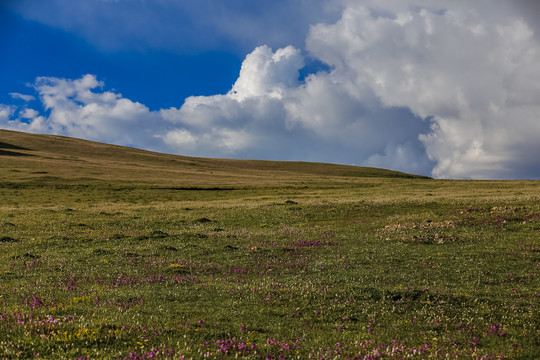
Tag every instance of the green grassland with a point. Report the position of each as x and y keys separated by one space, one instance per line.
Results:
x=110 y=252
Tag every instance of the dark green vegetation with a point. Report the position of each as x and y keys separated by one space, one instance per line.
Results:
x=109 y=252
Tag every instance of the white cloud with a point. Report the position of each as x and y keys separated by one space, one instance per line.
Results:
x=212 y=142
x=181 y=139
x=475 y=71
x=407 y=156
x=23 y=97
x=75 y=109
x=265 y=73
x=5 y=113
x=247 y=120
x=28 y=114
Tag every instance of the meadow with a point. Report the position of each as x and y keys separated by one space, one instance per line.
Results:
x=115 y=253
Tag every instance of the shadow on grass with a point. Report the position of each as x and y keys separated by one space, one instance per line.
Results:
x=12 y=153
x=4 y=147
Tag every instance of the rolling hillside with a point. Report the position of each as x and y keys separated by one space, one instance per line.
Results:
x=47 y=158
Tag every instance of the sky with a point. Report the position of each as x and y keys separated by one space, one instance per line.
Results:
x=449 y=89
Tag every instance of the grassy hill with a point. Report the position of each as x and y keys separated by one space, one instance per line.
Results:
x=26 y=157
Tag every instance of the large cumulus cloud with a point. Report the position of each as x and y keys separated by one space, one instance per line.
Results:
x=448 y=89
x=473 y=73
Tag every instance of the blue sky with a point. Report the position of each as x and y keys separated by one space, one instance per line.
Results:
x=37 y=49
x=447 y=89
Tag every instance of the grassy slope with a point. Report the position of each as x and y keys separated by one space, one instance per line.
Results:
x=109 y=252
x=62 y=158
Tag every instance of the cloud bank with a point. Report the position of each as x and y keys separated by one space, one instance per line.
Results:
x=425 y=87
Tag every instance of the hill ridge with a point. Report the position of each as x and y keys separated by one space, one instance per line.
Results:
x=32 y=157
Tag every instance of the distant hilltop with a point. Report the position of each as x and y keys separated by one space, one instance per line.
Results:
x=49 y=157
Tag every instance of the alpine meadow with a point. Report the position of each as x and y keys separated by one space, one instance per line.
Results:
x=110 y=252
